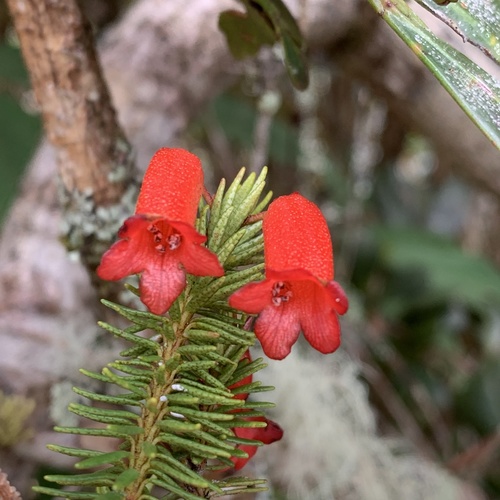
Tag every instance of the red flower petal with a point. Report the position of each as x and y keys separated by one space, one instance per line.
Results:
x=252 y=298
x=172 y=186
x=240 y=462
x=317 y=318
x=270 y=434
x=322 y=331
x=129 y=255
x=255 y=297
x=291 y=275
x=277 y=329
x=200 y=261
x=161 y=283
x=163 y=277
x=296 y=236
x=340 y=302
x=188 y=232
x=311 y=308
x=267 y=435
x=196 y=259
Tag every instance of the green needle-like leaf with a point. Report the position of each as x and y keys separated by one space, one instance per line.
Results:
x=263 y=204
x=55 y=493
x=163 y=470
x=103 y=415
x=128 y=383
x=136 y=339
x=208 y=415
x=202 y=220
x=245 y=251
x=183 y=399
x=146 y=319
x=73 y=452
x=215 y=208
x=229 y=246
x=99 y=478
x=189 y=385
x=175 y=426
x=102 y=459
x=126 y=478
x=179 y=492
x=205 y=397
x=193 y=446
x=219 y=233
x=196 y=365
x=215 y=428
x=232 y=190
x=196 y=350
x=202 y=336
x=176 y=467
x=245 y=188
x=125 y=400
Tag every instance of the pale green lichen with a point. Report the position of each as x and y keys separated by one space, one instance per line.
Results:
x=84 y=221
x=14 y=413
x=88 y=227
x=334 y=449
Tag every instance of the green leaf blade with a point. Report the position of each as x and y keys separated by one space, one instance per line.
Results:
x=475 y=90
x=476 y=21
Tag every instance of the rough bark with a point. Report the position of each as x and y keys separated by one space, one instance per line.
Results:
x=163 y=63
x=79 y=120
x=93 y=156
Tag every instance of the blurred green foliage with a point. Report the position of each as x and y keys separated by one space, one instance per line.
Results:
x=19 y=130
x=451 y=273
x=237 y=117
x=266 y=22
x=427 y=307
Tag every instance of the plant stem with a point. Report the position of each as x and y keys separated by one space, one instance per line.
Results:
x=150 y=417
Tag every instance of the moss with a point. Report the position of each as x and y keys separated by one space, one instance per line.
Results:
x=14 y=413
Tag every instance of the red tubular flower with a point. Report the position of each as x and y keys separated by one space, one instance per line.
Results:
x=160 y=241
x=299 y=292
x=267 y=435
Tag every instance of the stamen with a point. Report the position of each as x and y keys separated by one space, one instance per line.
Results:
x=153 y=229
x=174 y=241
x=280 y=293
x=163 y=241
